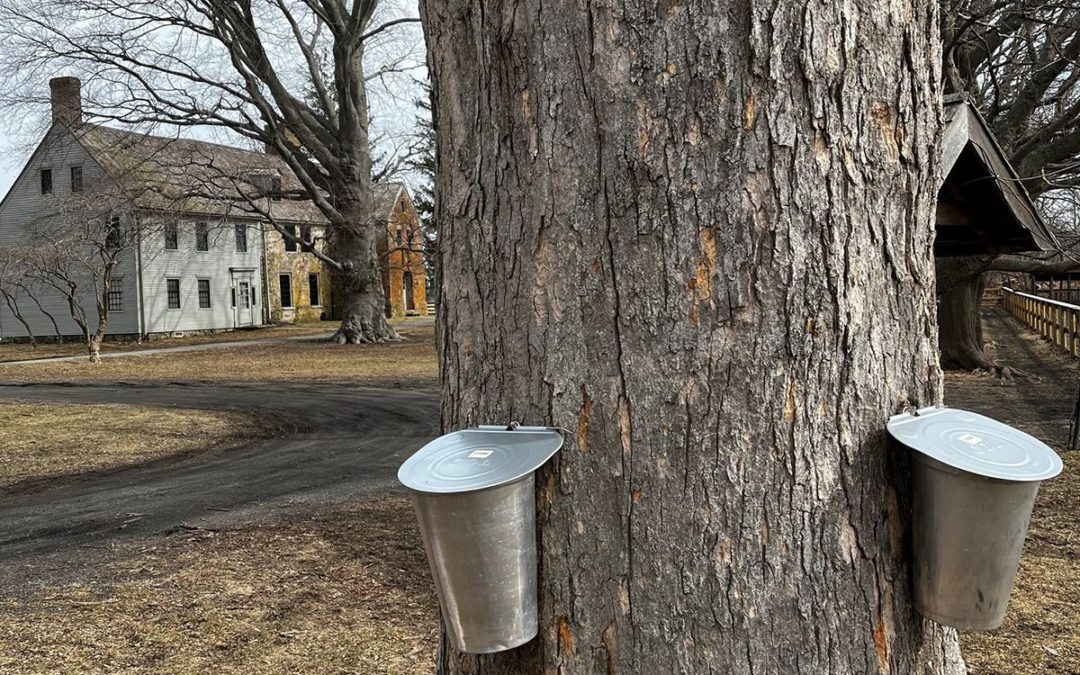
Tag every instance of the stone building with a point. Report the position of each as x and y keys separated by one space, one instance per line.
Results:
x=300 y=288
x=401 y=252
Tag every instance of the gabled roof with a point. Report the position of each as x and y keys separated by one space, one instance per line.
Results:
x=193 y=176
x=386 y=195
x=982 y=205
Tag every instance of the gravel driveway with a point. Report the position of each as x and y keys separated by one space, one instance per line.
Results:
x=343 y=442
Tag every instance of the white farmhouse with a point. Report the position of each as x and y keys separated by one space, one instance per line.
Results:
x=198 y=261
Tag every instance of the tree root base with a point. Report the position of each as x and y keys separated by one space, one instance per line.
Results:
x=1008 y=373
x=364 y=337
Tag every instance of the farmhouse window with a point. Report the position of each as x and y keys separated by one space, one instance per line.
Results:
x=241 y=238
x=46 y=181
x=313 y=289
x=172 y=237
x=202 y=237
x=290 y=240
x=76 y=179
x=116 y=295
x=172 y=289
x=204 y=294
x=285 y=282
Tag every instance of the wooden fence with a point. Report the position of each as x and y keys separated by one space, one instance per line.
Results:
x=1057 y=321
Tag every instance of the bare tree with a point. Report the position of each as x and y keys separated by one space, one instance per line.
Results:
x=1019 y=62
x=286 y=75
x=13 y=288
x=75 y=252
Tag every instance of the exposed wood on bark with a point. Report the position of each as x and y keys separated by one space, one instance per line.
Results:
x=699 y=236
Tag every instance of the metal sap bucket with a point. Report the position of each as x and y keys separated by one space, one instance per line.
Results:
x=974 y=481
x=474 y=495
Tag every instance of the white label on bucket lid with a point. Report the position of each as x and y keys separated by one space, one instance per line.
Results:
x=481 y=454
x=970 y=439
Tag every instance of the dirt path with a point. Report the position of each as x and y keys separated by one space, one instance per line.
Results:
x=1041 y=407
x=344 y=442
x=156 y=351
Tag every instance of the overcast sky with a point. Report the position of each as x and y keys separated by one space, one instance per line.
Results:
x=391 y=101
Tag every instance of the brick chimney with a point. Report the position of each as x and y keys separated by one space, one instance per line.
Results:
x=67 y=101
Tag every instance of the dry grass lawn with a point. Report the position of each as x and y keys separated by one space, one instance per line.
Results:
x=39 y=440
x=43 y=350
x=344 y=592
x=403 y=363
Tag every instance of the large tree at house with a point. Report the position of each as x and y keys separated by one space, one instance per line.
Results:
x=287 y=75
x=698 y=235
x=1020 y=64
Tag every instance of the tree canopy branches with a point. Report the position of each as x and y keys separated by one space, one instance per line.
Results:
x=1020 y=61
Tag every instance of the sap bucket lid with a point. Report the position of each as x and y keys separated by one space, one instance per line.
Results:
x=975 y=444
x=480 y=458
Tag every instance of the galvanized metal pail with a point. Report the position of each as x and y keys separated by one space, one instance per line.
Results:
x=474 y=495
x=974 y=482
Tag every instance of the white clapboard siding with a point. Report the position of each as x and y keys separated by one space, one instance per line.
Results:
x=221 y=265
x=23 y=206
x=142 y=276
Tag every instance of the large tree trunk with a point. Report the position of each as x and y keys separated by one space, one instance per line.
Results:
x=960 y=284
x=699 y=236
x=960 y=326
x=363 y=302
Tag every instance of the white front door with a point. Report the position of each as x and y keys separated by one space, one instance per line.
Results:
x=243 y=303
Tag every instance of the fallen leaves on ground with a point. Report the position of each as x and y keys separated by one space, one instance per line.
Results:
x=1040 y=633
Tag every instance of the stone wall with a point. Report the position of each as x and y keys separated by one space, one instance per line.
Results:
x=300 y=266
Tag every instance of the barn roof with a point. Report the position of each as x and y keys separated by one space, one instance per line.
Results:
x=982 y=205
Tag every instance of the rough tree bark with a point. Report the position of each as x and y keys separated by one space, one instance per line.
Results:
x=363 y=298
x=699 y=236
x=960 y=287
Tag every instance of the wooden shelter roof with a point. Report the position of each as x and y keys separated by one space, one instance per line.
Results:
x=982 y=205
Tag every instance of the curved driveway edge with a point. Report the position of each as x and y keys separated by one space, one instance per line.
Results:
x=347 y=441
